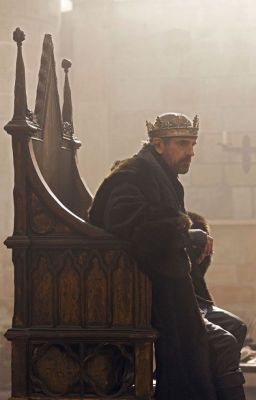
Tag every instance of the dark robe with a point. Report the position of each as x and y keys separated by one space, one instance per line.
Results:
x=142 y=201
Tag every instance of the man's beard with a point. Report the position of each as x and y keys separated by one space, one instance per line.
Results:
x=182 y=166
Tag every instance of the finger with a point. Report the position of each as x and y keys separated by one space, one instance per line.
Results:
x=201 y=258
x=206 y=251
x=211 y=248
x=210 y=240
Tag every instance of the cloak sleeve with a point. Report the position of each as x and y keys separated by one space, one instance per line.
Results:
x=125 y=209
x=157 y=233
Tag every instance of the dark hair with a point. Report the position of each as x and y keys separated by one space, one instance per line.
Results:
x=165 y=139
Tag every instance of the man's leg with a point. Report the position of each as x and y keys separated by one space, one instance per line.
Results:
x=225 y=353
x=229 y=322
x=182 y=360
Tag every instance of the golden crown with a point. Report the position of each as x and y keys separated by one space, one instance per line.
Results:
x=173 y=124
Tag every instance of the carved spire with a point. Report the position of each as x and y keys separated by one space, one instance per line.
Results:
x=67 y=112
x=20 y=100
x=22 y=117
x=47 y=62
x=67 y=102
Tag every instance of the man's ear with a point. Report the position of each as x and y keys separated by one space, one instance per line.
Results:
x=158 y=145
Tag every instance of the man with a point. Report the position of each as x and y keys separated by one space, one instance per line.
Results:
x=143 y=201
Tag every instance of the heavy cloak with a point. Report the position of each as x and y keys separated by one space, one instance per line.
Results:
x=138 y=202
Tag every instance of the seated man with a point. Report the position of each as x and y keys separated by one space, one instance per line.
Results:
x=142 y=201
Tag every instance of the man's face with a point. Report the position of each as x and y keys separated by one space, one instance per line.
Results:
x=177 y=152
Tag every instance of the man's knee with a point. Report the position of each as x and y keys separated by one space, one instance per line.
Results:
x=229 y=322
x=226 y=354
x=227 y=372
x=240 y=333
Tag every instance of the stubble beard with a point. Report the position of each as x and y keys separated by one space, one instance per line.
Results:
x=183 y=166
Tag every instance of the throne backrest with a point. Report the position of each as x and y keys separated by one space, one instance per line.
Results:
x=50 y=207
x=54 y=142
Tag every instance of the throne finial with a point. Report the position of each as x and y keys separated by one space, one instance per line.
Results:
x=66 y=64
x=20 y=101
x=22 y=117
x=18 y=36
x=67 y=112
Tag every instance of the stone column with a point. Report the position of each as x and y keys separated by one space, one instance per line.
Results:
x=35 y=18
x=90 y=85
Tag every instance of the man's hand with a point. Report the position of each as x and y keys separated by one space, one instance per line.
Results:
x=208 y=250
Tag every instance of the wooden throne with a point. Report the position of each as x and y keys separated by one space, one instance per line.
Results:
x=81 y=324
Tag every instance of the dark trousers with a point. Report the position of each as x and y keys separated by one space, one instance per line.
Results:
x=226 y=334
x=183 y=369
x=228 y=322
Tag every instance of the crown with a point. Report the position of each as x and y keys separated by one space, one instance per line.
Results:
x=173 y=124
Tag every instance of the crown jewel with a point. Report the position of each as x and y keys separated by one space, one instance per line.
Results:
x=171 y=124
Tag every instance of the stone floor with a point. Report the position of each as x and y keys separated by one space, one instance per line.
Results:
x=250 y=393
x=4 y=395
x=250 y=386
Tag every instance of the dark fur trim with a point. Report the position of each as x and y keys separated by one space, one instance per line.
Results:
x=199 y=222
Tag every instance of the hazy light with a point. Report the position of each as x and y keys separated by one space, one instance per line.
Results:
x=66 y=5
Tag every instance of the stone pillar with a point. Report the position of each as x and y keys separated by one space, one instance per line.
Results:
x=35 y=18
x=90 y=85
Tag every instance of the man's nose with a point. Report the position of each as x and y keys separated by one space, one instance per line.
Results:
x=190 y=151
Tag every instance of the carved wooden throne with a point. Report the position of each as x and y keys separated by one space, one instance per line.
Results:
x=81 y=324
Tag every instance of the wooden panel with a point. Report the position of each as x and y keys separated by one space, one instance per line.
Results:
x=80 y=370
x=144 y=370
x=143 y=308
x=54 y=370
x=42 y=293
x=19 y=260
x=122 y=294
x=69 y=295
x=96 y=294
x=19 y=369
x=109 y=369
x=41 y=221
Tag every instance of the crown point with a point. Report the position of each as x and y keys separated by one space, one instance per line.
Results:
x=196 y=122
x=158 y=122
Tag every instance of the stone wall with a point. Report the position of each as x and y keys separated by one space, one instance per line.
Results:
x=231 y=277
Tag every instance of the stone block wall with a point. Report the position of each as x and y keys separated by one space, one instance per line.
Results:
x=231 y=277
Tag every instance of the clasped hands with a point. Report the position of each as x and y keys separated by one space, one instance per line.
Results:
x=207 y=250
